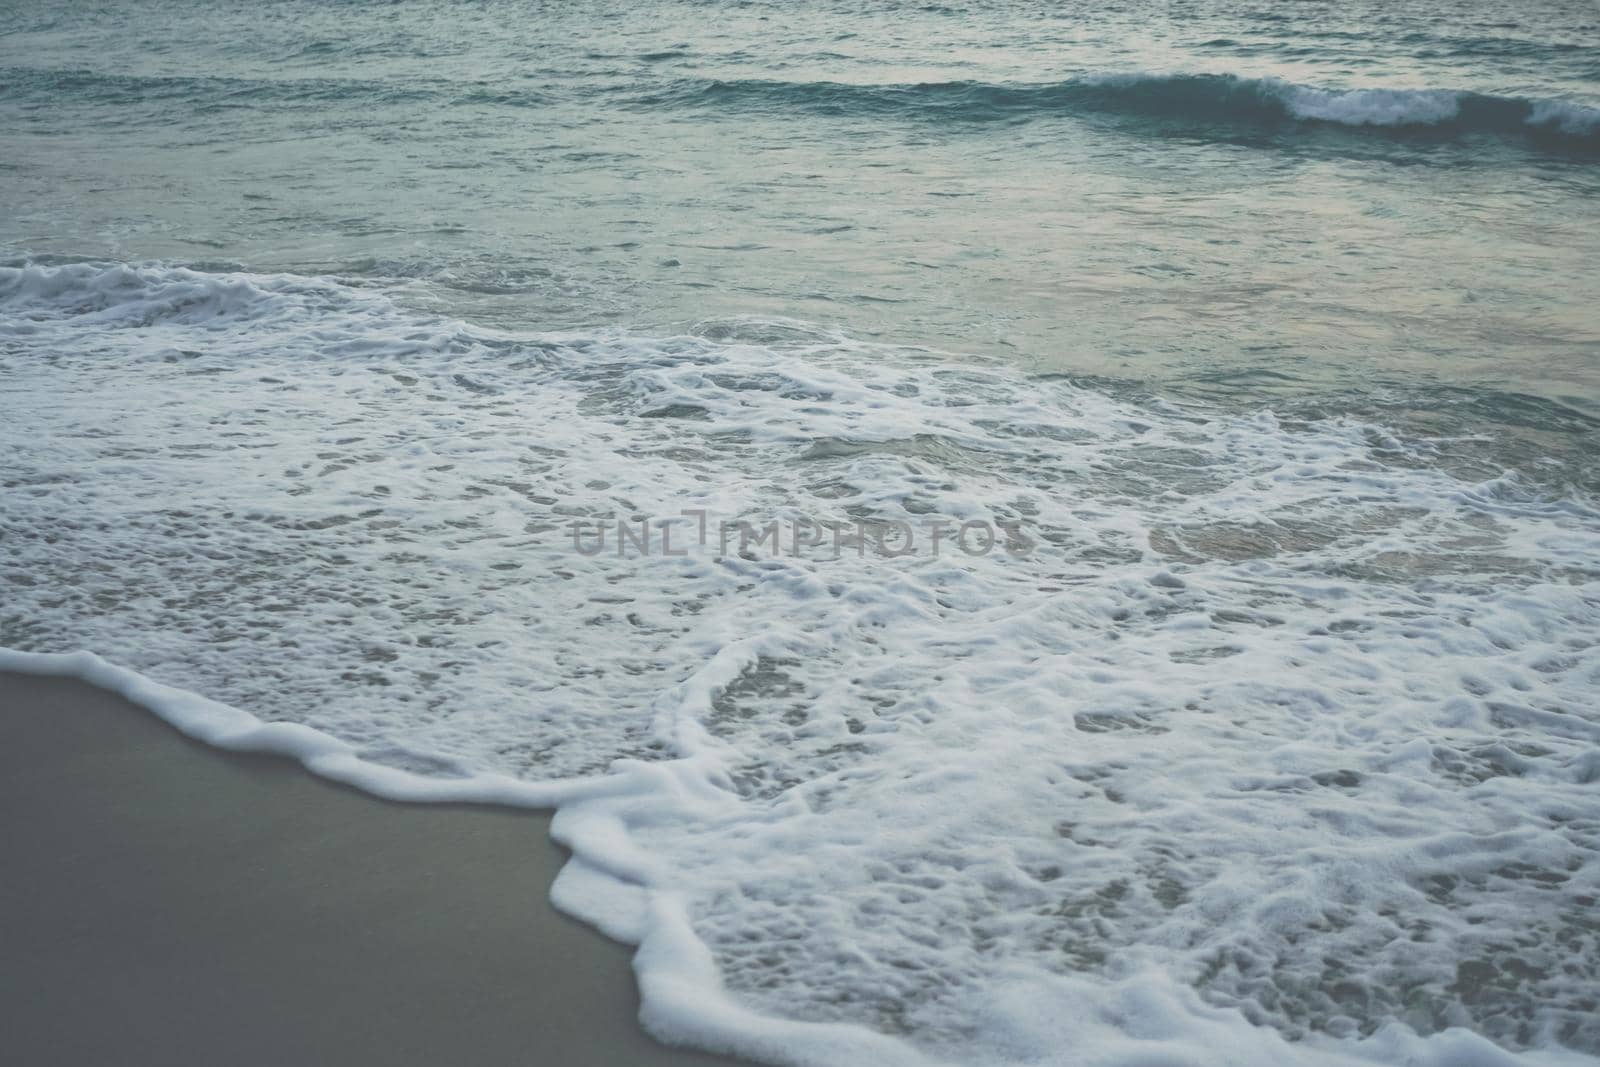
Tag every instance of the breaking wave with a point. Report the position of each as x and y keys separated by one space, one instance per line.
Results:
x=1206 y=98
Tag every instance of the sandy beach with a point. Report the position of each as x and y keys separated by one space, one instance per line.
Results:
x=165 y=903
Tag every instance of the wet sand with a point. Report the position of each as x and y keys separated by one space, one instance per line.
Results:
x=165 y=903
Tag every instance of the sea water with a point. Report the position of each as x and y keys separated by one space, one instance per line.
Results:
x=1011 y=533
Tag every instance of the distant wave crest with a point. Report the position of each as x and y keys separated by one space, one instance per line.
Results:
x=1169 y=102
x=1208 y=98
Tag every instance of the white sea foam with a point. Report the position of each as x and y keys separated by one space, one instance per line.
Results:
x=1279 y=732
x=1371 y=107
x=1430 y=107
x=1566 y=116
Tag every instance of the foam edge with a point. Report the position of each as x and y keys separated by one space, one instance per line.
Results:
x=608 y=883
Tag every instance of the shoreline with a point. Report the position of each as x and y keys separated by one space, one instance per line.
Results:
x=172 y=903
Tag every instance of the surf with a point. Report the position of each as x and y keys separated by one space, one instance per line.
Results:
x=1268 y=692
x=1216 y=99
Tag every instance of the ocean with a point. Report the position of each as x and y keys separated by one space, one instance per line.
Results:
x=1011 y=532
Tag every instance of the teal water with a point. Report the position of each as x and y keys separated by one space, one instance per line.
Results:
x=955 y=175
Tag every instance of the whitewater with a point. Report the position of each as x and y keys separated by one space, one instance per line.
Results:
x=1007 y=533
x=1280 y=737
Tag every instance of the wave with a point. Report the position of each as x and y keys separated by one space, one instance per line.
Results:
x=1174 y=100
x=1208 y=98
x=210 y=93
x=946 y=807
